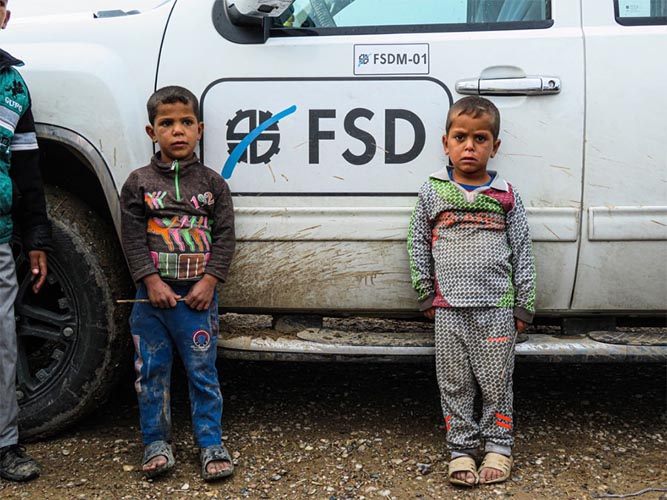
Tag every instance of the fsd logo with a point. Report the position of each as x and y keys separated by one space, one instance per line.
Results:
x=253 y=136
x=340 y=135
x=262 y=149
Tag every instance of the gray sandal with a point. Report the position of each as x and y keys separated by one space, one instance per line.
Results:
x=214 y=454
x=156 y=449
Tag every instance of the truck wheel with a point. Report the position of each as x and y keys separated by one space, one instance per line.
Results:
x=72 y=337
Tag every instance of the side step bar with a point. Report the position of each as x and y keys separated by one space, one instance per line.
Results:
x=321 y=344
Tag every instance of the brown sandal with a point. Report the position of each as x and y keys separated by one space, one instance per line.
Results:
x=462 y=464
x=498 y=462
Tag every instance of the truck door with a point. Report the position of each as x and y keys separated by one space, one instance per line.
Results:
x=623 y=261
x=326 y=129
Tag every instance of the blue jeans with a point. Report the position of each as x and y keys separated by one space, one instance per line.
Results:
x=193 y=335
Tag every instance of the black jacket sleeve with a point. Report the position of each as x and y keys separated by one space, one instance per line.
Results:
x=29 y=208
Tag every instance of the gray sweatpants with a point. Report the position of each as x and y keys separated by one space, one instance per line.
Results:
x=472 y=349
x=9 y=409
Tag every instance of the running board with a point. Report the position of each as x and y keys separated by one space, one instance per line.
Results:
x=315 y=344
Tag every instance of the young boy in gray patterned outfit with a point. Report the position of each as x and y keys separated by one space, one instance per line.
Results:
x=472 y=265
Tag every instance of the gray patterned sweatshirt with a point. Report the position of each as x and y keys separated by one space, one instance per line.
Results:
x=471 y=248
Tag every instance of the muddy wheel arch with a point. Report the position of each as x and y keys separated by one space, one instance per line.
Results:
x=73 y=339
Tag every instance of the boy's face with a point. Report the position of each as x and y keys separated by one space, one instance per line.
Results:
x=470 y=144
x=4 y=14
x=176 y=129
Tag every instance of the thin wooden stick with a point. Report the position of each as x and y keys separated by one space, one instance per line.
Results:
x=138 y=301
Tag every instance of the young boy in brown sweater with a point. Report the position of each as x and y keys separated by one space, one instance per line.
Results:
x=178 y=236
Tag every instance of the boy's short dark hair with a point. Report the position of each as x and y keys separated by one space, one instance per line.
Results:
x=475 y=106
x=170 y=95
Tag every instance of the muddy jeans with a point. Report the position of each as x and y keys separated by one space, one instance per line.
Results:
x=192 y=334
x=8 y=406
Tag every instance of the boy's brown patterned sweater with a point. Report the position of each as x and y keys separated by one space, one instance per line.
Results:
x=177 y=220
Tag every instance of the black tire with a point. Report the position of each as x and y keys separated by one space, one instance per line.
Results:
x=72 y=335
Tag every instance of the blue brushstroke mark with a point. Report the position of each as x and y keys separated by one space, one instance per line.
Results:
x=234 y=157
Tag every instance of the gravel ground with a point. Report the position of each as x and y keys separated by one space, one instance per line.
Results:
x=350 y=431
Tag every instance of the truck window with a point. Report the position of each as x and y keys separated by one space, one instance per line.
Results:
x=640 y=12
x=424 y=15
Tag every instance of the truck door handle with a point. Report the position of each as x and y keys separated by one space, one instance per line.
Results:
x=528 y=85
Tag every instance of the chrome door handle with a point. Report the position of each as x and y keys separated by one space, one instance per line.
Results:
x=529 y=85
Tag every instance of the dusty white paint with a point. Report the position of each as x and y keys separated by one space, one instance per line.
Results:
x=590 y=161
x=29 y=8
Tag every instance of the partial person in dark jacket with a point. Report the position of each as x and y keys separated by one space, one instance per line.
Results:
x=178 y=236
x=21 y=202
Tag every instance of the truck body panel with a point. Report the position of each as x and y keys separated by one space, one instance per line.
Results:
x=326 y=120
x=316 y=181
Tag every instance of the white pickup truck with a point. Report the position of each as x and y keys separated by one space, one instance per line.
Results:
x=325 y=117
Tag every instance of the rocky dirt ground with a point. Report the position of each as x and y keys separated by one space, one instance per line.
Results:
x=353 y=431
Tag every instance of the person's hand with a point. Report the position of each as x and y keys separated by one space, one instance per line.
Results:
x=201 y=294
x=38 y=269
x=159 y=293
x=520 y=325
x=430 y=313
